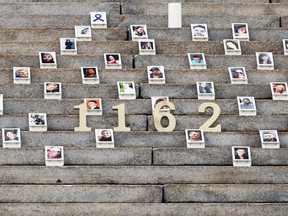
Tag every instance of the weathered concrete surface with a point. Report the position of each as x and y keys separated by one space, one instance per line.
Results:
x=216 y=156
x=74 y=156
x=143 y=209
x=139 y=175
x=227 y=193
x=80 y=193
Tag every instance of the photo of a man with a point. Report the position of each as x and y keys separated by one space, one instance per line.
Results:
x=105 y=135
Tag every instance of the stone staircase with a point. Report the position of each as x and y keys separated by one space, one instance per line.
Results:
x=148 y=172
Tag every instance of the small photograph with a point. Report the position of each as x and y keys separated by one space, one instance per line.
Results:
x=11 y=134
x=194 y=135
x=104 y=135
x=89 y=72
x=98 y=19
x=241 y=153
x=269 y=136
x=148 y=44
x=205 y=87
x=52 y=87
x=1 y=104
x=83 y=33
x=47 y=57
x=156 y=74
x=126 y=87
x=285 y=46
x=264 y=58
x=246 y=103
x=240 y=31
x=231 y=44
x=196 y=58
x=112 y=58
x=279 y=88
x=158 y=99
x=21 y=72
x=68 y=46
x=237 y=73
x=93 y=103
x=138 y=31
x=37 y=119
x=199 y=31
x=54 y=152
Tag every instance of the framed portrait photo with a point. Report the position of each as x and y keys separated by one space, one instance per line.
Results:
x=232 y=47
x=1 y=104
x=158 y=99
x=138 y=32
x=37 y=122
x=11 y=138
x=285 y=46
x=195 y=138
x=241 y=156
x=52 y=90
x=205 y=90
x=197 y=61
x=47 y=60
x=104 y=138
x=246 y=106
x=113 y=61
x=90 y=75
x=199 y=32
x=93 y=106
x=240 y=31
x=238 y=75
x=269 y=139
x=265 y=61
x=98 y=19
x=68 y=46
x=83 y=33
x=54 y=155
x=21 y=75
x=126 y=90
x=279 y=90
x=147 y=47
x=156 y=74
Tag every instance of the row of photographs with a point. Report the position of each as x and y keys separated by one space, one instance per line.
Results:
x=196 y=60
x=194 y=137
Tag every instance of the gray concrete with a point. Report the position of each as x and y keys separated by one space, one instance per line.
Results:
x=74 y=156
x=145 y=139
x=80 y=193
x=216 y=156
x=213 y=61
x=144 y=209
x=139 y=175
x=227 y=193
x=68 y=122
x=244 y=123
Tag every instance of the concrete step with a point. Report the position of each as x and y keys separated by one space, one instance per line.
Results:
x=68 y=122
x=81 y=193
x=208 y=9
x=132 y=48
x=213 y=61
x=74 y=156
x=71 y=91
x=55 y=21
x=139 y=75
x=209 y=156
x=144 y=175
x=218 y=21
x=136 y=107
x=145 y=139
x=227 y=193
x=143 y=209
x=244 y=123
x=71 y=61
x=59 y=8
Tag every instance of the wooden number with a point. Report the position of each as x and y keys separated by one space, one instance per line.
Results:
x=158 y=115
x=121 y=118
x=216 y=112
x=82 y=118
